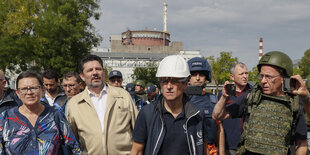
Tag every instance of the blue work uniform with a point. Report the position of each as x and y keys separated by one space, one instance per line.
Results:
x=205 y=103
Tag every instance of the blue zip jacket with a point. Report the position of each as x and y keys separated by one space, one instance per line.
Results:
x=152 y=113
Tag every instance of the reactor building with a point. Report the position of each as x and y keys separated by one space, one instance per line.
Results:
x=140 y=48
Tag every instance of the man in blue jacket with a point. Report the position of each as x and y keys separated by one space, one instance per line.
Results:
x=171 y=124
x=200 y=73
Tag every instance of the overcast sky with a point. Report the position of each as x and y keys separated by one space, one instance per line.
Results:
x=213 y=26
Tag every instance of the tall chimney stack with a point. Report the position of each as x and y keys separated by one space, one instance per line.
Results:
x=260 y=48
x=165 y=17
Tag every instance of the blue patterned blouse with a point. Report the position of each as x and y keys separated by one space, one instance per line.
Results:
x=18 y=136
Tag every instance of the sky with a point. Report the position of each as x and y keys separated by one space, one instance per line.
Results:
x=214 y=26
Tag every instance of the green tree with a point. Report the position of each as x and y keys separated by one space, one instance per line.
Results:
x=253 y=75
x=221 y=67
x=107 y=70
x=297 y=71
x=46 y=34
x=304 y=64
x=148 y=74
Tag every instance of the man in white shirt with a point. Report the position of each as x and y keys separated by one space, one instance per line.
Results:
x=53 y=94
x=101 y=111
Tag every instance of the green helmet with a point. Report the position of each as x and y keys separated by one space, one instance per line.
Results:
x=278 y=59
x=141 y=83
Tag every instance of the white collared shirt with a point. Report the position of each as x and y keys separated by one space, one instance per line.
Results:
x=100 y=104
x=50 y=100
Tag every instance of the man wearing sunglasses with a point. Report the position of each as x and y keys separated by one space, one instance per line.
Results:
x=116 y=78
x=273 y=119
x=171 y=124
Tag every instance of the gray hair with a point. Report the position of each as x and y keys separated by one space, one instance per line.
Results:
x=241 y=64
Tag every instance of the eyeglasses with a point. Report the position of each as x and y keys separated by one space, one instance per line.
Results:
x=68 y=85
x=24 y=90
x=172 y=81
x=267 y=77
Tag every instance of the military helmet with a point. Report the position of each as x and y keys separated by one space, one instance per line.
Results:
x=140 y=83
x=130 y=87
x=278 y=59
x=200 y=64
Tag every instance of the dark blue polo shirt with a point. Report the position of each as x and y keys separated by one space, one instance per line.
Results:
x=233 y=126
x=175 y=141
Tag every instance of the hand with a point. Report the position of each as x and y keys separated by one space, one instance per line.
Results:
x=301 y=88
x=224 y=94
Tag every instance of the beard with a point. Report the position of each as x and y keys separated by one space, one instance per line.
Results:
x=52 y=91
x=96 y=85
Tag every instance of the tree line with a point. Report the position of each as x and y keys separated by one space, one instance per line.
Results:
x=46 y=34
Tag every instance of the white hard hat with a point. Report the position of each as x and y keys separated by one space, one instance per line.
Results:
x=173 y=66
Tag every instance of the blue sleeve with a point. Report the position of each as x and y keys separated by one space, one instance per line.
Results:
x=236 y=106
x=235 y=109
x=301 y=128
x=67 y=134
x=2 y=152
x=140 y=130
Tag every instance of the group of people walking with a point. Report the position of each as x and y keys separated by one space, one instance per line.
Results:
x=184 y=118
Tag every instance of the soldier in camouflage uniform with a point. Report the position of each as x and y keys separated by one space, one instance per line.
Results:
x=139 y=89
x=273 y=119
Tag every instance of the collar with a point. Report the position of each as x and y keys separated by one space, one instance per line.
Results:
x=247 y=88
x=181 y=115
x=188 y=107
x=102 y=92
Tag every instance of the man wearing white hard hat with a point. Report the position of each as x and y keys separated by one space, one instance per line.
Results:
x=171 y=124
